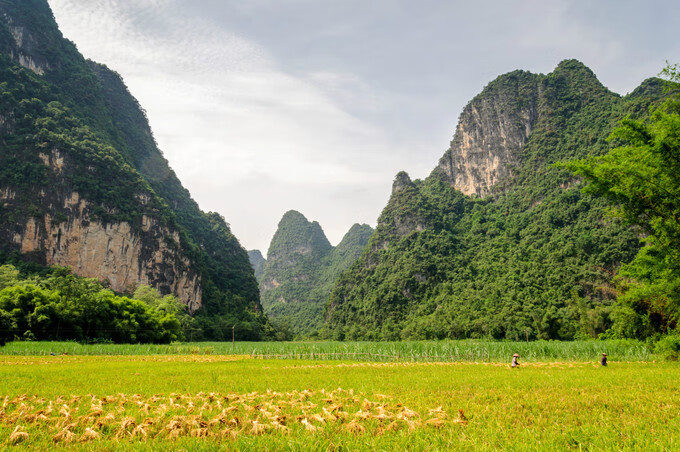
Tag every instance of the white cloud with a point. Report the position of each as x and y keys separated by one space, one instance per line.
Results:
x=226 y=117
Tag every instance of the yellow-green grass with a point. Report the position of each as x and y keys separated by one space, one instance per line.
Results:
x=125 y=401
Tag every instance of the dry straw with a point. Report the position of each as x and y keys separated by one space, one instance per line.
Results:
x=125 y=417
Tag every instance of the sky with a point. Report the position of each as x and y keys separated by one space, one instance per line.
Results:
x=263 y=106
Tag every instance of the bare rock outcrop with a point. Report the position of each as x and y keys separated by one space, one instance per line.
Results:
x=491 y=131
x=123 y=254
x=25 y=48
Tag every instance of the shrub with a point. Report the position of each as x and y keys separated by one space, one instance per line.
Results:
x=668 y=347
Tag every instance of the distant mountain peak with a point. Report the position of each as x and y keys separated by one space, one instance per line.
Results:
x=257 y=261
x=572 y=64
x=301 y=268
x=292 y=215
x=401 y=181
x=296 y=234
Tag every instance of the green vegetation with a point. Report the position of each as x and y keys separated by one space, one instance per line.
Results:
x=534 y=260
x=537 y=259
x=300 y=270
x=642 y=178
x=410 y=351
x=257 y=262
x=61 y=306
x=221 y=402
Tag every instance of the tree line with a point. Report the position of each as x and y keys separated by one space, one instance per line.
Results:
x=58 y=305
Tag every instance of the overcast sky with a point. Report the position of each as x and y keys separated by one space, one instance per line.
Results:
x=262 y=106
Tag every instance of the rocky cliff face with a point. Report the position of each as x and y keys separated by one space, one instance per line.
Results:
x=25 y=44
x=69 y=235
x=494 y=127
x=491 y=132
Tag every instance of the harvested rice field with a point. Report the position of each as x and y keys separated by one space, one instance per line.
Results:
x=237 y=402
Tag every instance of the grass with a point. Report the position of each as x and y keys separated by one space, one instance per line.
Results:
x=449 y=351
x=232 y=402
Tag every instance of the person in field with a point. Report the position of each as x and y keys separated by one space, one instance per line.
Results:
x=603 y=361
x=514 y=360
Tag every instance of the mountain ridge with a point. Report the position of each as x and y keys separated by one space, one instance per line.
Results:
x=300 y=268
x=524 y=252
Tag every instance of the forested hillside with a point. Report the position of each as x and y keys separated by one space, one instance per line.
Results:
x=641 y=177
x=301 y=268
x=83 y=184
x=524 y=254
x=257 y=262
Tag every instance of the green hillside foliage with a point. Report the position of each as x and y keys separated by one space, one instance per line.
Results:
x=345 y=253
x=57 y=305
x=534 y=260
x=83 y=111
x=257 y=261
x=301 y=268
x=641 y=176
x=39 y=123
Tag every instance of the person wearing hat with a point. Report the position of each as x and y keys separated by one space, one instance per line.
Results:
x=603 y=361
x=514 y=360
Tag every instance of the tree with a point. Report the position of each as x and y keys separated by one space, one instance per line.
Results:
x=7 y=327
x=169 y=306
x=9 y=276
x=642 y=177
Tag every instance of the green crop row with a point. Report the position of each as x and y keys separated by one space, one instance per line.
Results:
x=423 y=351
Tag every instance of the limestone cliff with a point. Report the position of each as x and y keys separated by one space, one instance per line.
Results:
x=491 y=131
x=68 y=234
x=494 y=127
x=513 y=258
x=83 y=183
x=25 y=45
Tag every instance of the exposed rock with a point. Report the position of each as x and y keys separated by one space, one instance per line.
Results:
x=444 y=265
x=113 y=252
x=491 y=132
x=83 y=183
x=495 y=126
x=29 y=63
x=401 y=181
x=25 y=45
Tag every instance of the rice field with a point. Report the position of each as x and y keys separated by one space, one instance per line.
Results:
x=424 y=351
x=218 y=401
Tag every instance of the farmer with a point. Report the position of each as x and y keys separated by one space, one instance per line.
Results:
x=514 y=360
x=603 y=361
